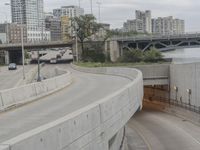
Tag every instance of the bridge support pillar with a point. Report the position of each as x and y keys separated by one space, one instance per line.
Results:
x=114 y=50
x=7 y=59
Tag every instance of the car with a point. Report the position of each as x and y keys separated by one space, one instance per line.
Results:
x=53 y=61
x=12 y=66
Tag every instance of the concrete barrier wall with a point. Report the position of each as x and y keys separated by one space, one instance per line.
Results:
x=185 y=76
x=92 y=127
x=29 y=76
x=157 y=74
x=30 y=92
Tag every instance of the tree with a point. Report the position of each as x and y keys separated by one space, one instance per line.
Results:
x=85 y=26
x=153 y=55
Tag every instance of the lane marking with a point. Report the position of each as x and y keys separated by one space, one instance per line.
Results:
x=141 y=135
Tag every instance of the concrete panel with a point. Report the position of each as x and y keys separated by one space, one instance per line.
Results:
x=23 y=93
x=7 y=98
x=40 y=88
x=4 y=147
x=185 y=76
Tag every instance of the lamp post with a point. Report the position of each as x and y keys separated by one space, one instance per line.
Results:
x=77 y=57
x=91 y=7
x=176 y=89
x=99 y=6
x=22 y=34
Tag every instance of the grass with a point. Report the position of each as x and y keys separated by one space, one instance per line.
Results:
x=92 y=64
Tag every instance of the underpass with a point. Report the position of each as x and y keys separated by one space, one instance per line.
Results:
x=163 y=131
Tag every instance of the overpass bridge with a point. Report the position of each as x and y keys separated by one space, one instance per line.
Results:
x=145 y=42
x=40 y=45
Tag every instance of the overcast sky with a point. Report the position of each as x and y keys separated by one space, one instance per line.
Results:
x=116 y=12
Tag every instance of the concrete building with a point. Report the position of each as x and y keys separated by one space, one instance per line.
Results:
x=32 y=17
x=145 y=17
x=11 y=33
x=168 y=26
x=133 y=25
x=53 y=24
x=66 y=30
x=70 y=12
x=15 y=33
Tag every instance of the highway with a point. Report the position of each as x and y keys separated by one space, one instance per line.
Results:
x=85 y=89
x=161 y=131
x=9 y=78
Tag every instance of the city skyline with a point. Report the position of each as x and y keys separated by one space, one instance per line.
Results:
x=179 y=9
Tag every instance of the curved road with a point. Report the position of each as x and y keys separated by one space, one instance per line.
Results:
x=85 y=89
x=161 y=131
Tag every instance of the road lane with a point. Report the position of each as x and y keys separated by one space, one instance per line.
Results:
x=85 y=89
x=165 y=132
x=9 y=78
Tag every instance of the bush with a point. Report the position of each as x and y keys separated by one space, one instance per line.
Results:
x=153 y=55
x=93 y=56
x=133 y=55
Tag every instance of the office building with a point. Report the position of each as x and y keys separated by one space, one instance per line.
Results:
x=32 y=16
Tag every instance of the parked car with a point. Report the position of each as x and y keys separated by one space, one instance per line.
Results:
x=12 y=66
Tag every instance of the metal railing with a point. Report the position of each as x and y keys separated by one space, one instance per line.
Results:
x=177 y=103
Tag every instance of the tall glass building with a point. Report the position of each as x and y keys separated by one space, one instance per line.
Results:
x=32 y=16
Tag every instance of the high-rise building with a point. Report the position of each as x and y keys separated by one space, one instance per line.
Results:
x=145 y=17
x=32 y=12
x=70 y=11
x=133 y=25
x=168 y=26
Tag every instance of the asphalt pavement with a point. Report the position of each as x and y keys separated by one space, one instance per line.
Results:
x=85 y=89
x=9 y=78
x=162 y=131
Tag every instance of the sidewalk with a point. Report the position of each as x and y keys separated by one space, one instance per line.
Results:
x=177 y=111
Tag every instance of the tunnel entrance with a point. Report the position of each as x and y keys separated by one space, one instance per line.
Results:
x=15 y=57
x=157 y=93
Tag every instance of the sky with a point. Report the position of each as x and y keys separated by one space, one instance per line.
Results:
x=116 y=12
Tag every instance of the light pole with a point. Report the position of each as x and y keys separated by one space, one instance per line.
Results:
x=99 y=6
x=22 y=34
x=91 y=7
x=77 y=59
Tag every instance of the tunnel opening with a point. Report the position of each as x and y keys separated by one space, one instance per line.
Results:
x=15 y=57
x=157 y=93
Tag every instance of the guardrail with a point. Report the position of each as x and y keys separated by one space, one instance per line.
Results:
x=30 y=92
x=93 y=127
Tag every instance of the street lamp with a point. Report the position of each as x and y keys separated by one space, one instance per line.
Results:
x=176 y=89
x=22 y=34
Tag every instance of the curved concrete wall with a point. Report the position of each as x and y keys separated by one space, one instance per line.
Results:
x=30 y=92
x=92 y=127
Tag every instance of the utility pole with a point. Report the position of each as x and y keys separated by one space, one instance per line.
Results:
x=91 y=6
x=99 y=6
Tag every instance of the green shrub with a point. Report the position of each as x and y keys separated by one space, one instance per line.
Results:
x=153 y=55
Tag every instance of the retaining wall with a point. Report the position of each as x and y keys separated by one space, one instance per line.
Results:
x=26 y=93
x=92 y=127
x=185 y=76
